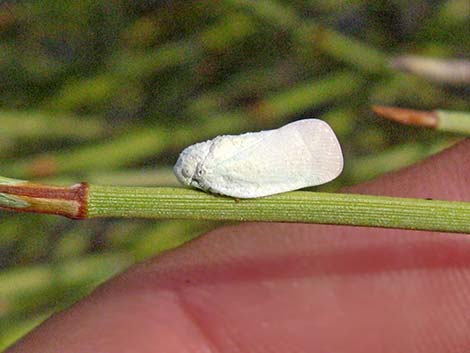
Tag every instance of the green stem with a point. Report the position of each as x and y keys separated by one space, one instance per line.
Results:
x=455 y=122
x=83 y=201
x=305 y=207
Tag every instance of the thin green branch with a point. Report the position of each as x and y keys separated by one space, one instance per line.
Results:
x=456 y=122
x=306 y=207
x=94 y=201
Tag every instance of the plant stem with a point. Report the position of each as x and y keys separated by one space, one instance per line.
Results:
x=93 y=201
x=308 y=207
x=457 y=122
x=442 y=120
x=453 y=71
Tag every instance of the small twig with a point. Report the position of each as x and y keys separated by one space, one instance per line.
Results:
x=455 y=122
x=23 y=196
x=407 y=116
x=452 y=71
x=85 y=201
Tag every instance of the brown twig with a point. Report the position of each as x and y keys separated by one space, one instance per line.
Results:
x=408 y=116
x=29 y=197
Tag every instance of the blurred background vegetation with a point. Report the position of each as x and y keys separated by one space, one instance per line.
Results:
x=110 y=91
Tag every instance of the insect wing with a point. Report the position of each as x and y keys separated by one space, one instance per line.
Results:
x=300 y=154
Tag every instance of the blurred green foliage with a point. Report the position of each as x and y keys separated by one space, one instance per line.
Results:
x=110 y=91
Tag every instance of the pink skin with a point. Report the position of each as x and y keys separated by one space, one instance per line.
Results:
x=290 y=287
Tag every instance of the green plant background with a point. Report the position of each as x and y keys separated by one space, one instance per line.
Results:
x=110 y=91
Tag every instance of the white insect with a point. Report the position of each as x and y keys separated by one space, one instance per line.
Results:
x=300 y=154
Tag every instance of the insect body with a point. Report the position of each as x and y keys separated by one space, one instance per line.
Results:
x=300 y=154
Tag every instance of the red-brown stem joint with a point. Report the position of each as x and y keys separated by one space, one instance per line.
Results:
x=70 y=201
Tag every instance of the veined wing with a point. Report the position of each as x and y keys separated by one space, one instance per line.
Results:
x=300 y=154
